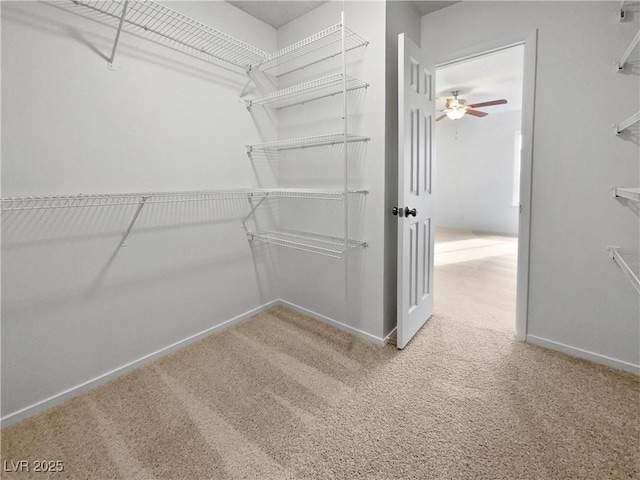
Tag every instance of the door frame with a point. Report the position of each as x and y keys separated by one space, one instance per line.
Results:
x=530 y=43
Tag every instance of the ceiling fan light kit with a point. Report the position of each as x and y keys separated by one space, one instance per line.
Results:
x=456 y=108
x=456 y=114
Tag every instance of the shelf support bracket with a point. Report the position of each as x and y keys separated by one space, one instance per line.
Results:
x=252 y=211
x=635 y=118
x=614 y=253
x=627 y=53
x=250 y=75
x=117 y=39
x=123 y=242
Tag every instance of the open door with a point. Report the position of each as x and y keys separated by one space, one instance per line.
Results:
x=416 y=121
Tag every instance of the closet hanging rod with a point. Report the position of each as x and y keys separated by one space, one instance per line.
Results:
x=122 y=199
x=306 y=142
x=627 y=53
x=631 y=193
x=308 y=91
x=614 y=253
x=635 y=118
x=311 y=50
x=172 y=25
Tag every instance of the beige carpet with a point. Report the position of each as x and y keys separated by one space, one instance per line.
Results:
x=475 y=278
x=281 y=396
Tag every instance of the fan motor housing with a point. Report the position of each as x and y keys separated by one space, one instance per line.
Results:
x=455 y=103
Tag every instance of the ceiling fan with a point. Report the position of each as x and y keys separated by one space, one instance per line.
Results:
x=457 y=107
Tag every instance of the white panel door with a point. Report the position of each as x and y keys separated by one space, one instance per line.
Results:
x=416 y=123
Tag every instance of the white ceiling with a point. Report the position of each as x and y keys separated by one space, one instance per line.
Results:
x=425 y=7
x=276 y=12
x=280 y=12
x=481 y=79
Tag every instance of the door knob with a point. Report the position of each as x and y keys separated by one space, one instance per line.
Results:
x=408 y=211
x=394 y=210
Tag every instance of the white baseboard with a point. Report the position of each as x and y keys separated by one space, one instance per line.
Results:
x=58 y=398
x=381 y=342
x=585 y=354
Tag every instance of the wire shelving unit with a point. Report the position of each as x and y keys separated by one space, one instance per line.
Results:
x=139 y=200
x=154 y=18
x=47 y=202
x=306 y=142
x=628 y=262
x=333 y=41
x=310 y=51
x=326 y=245
x=43 y=202
x=308 y=91
x=150 y=17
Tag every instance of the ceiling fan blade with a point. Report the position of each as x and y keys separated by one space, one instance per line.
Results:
x=441 y=117
x=488 y=104
x=476 y=113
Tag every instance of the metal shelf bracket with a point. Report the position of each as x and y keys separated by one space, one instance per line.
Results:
x=629 y=193
x=627 y=53
x=635 y=118
x=117 y=39
x=142 y=203
x=614 y=254
x=253 y=210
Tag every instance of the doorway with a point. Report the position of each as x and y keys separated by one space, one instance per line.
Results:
x=477 y=187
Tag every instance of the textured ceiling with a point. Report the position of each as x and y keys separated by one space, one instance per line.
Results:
x=276 y=13
x=481 y=79
x=280 y=12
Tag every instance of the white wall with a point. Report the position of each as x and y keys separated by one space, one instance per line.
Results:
x=74 y=305
x=474 y=173
x=310 y=281
x=579 y=301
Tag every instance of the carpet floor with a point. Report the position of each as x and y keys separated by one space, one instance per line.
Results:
x=283 y=396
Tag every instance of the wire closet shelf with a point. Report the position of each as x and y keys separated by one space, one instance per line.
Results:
x=326 y=245
x=152 y=17
x=181 y=29
x=311 y=50
x=306 y=142
x=308 y=91
x=123 y=199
